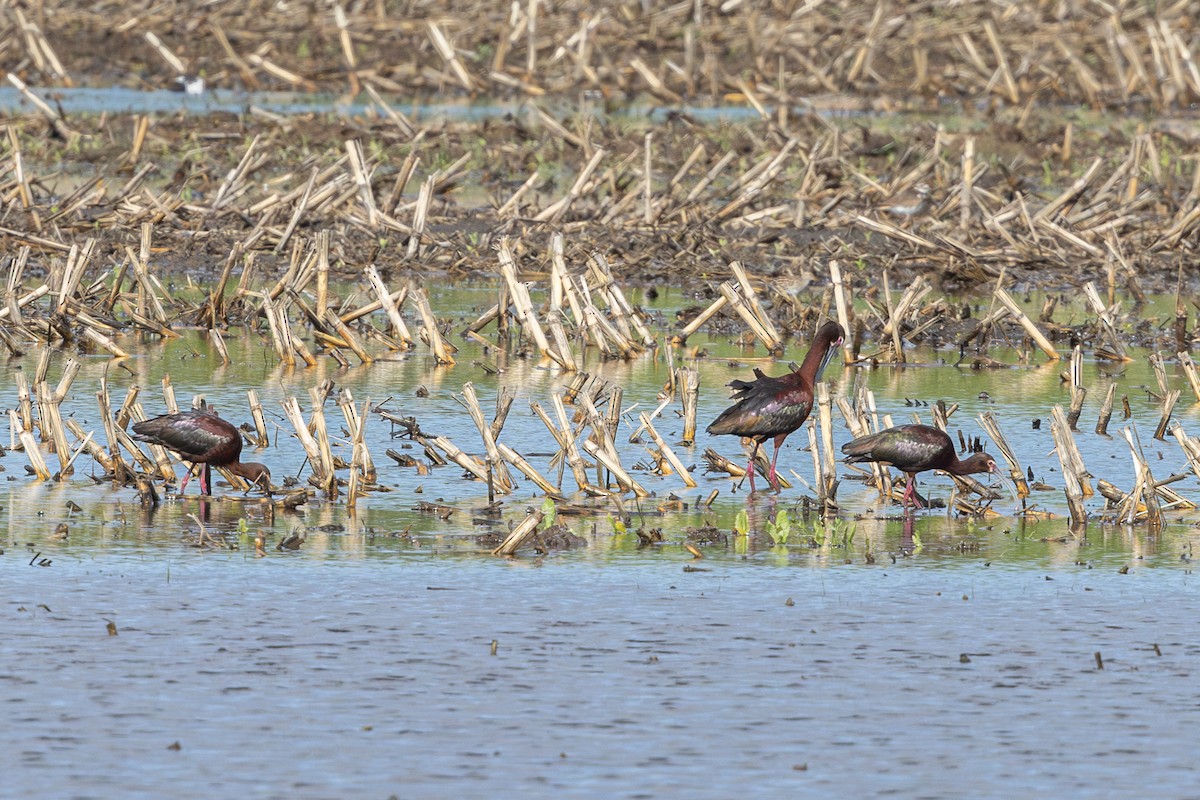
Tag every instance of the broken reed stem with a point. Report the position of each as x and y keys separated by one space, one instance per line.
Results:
x=97 y=452
x=667 y=452
x=619 y=308
x=562 y=352
x=1106 y=410
x=566 y=439
x=1078 y=390
x=501 y=479
x=30 y=446
x=220 y=346
x=396 y=322
x=52 y=425
x=613 y=465
x=690 y=400
x=519 y=296
x=601 y=446
x=1190 y=447
x=504 y=400
x=1144 y=491
x=555 y=212
x=519 y=461
x=1073 y=480
x=704 y=316
x=991 y=426
x=739 y=304
x=362 y=467
x=281 y=334
x=320 y=432
x=1160 y=372
x=892 y=323
x=748 y=291
x=260 y=420
x=827 y=475
x=420 y=215
x=348 y=336
x=839 y=297
x=120 y=470
x=1168 y=407
x=1113 y=348
x=519 y=534
x=291 y=409
x=440 y=350
x=456 y=455
x=1031 y=329
x=1189 y=370
x=815 y=450
x=24 y=400
x=169 y=395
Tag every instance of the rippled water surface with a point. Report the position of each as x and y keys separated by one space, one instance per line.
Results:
x=390 y=655
x=303 y=677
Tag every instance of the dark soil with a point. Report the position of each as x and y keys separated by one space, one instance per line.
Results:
x=784 y=194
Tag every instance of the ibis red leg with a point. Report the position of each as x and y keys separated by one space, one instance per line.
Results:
x=752 y=466
x=771 y=473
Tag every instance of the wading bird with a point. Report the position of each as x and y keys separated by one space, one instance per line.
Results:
x=912 y=449
x=202 y=438
x=769 y=407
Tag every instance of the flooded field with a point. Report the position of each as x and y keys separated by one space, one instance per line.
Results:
x=389 y=670
x=388 y=654
x=471 y=279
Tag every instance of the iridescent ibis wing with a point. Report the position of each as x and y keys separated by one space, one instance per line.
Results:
x=910 y=448
x=765 y=407
x=196 y=436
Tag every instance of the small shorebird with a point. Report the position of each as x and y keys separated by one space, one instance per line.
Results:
x=910 y=205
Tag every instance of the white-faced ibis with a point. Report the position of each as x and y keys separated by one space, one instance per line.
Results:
x=769 y=407
x=912 y=449
x=202 y=438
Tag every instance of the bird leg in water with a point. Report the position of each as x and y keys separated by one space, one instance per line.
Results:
x=205 y=479
x=910 y=490
x=750 y=468
x=771 y=473
x=187 y=476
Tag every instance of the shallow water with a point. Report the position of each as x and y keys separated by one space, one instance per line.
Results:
x=116 y=99
x=361 y=664
x=302 y=677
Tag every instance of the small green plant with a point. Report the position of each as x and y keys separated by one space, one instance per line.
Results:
x=741 y=523
x=780 y=528
x=549 y=512
x=835 y=532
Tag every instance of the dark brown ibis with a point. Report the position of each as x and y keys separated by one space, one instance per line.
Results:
x=769 y=407
x=912 y=449
x=202 y=438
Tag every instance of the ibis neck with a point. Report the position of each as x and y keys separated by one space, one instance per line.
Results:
x=814 y=363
